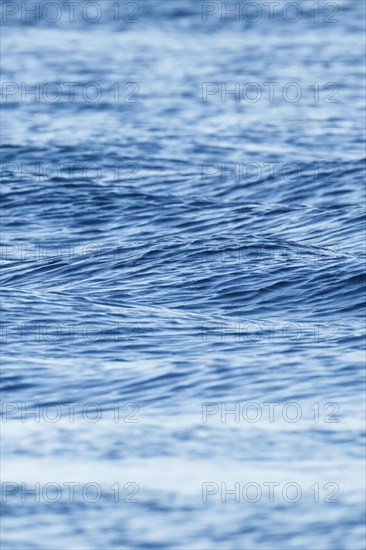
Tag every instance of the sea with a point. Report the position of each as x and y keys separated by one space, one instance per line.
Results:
x=183 y=229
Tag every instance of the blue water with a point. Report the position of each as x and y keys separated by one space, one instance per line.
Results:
x=165 y=248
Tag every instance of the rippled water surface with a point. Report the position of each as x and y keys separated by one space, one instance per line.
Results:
x=172 y=253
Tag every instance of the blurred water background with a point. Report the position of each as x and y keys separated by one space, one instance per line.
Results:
x=173 y=251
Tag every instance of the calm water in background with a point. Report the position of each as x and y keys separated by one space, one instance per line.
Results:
x=153 y=278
